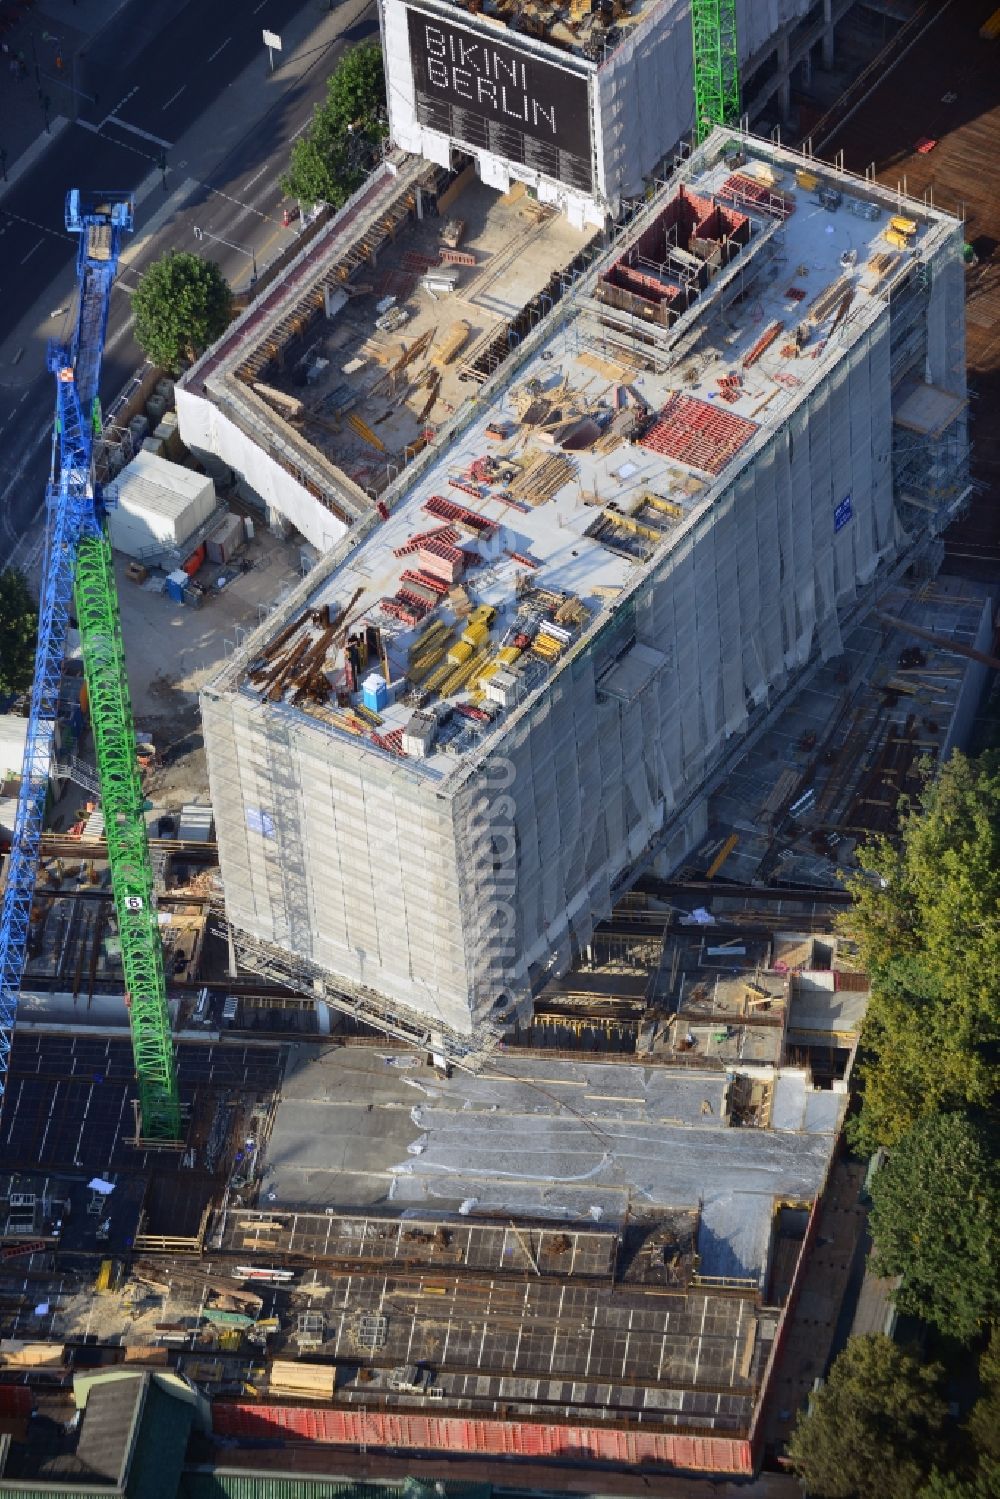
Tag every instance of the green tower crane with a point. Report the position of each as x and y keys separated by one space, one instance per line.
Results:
x=716 y=65
x=78 y=559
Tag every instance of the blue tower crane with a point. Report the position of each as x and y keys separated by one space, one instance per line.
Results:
x=78 y=558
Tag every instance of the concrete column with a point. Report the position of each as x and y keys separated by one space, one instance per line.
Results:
x=828 y=38
x=784 y=75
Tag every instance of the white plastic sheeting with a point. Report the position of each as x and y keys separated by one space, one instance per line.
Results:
x=206 y=430
x=736 y=609
x=330 y=853
x=646 y=97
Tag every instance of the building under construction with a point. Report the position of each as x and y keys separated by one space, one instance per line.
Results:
x=510 y=687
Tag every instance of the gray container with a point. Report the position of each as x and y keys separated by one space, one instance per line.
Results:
x=196 y=825
x=155 y=407
x=165 y=390
x=226 y=540
x=139 y=428
x=168 y=434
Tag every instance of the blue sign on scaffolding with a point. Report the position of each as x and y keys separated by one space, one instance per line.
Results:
x=843 y=513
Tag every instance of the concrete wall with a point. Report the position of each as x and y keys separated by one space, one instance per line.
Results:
x=206 y=430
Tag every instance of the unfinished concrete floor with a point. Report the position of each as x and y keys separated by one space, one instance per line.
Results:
x=516 y=251
x=580 y=1141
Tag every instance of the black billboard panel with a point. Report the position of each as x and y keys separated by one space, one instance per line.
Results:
x=482 y=92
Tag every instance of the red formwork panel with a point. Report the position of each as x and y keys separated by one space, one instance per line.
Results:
x=423 y=1433
x=744 y=189
x=16 y=1400
x=698 y=433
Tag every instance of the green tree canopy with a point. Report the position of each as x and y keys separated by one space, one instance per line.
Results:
x=182 y=305
x=984 y=1422
x=926 y=918
x=329 y=161
x=355 y=90
x=984 y=1484
x=18 y=628
x=935 y=1221
x=874 y=1429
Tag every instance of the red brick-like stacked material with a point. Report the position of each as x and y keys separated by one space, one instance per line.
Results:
x=743 y=189
x=447 y=534
x=698 y=433
x=448 y=510
x=441 y=558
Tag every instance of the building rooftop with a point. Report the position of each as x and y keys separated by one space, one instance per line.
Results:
x=588 y=28
x=622 y=417
x=579 y=1142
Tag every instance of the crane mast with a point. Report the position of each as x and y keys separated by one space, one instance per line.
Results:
x=716 y=65
x=78 y=561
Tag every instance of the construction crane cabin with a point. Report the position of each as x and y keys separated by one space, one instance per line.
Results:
x=78 y=569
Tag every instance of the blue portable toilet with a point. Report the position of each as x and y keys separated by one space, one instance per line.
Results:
x=176 y=584
x=374 y=693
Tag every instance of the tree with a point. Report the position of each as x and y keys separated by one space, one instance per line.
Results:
x=874 y=1429
x=984 y=1484
x=182 y=304
x=984 y=1422
x=18 y=628
x=355 y=91
x=935 y=1221
x=320 y=168
x=329 y=161
x=926 y=918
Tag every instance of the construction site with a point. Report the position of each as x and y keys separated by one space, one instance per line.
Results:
x=680 y=489
x=506 y=1025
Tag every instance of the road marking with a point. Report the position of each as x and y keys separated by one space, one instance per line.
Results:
x=43 y=228
x=254 y=178
x=174 y=96
x=219 y=49
x=26 y=458
x=157 y=140
x=304 y=126
x=260 y=6
x=33 y=249
x=247 y=207
x=117 y=107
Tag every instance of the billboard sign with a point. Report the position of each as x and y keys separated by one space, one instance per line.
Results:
x=482 y=92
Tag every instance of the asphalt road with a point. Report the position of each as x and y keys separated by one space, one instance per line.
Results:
x=146 y=99
x=238 y=202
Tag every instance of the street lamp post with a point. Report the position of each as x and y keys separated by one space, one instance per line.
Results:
x=200 y=234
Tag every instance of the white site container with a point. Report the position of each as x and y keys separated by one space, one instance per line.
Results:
x=155 y=505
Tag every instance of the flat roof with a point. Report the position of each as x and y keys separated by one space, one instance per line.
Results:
x=629 y=410
x=150 y=485
x=575 y=1141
